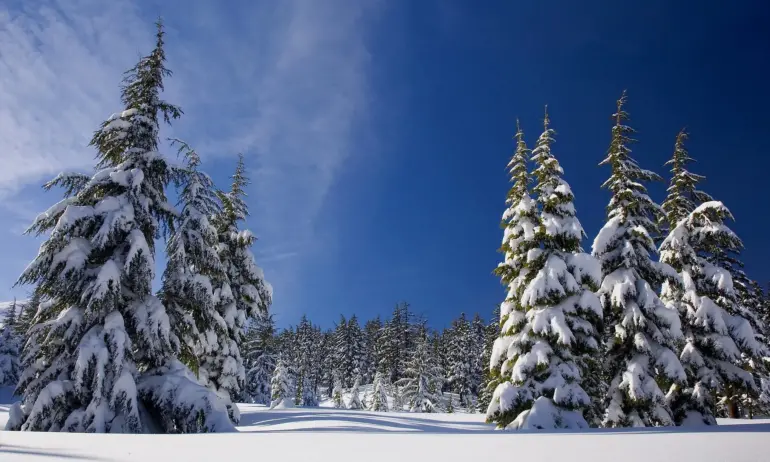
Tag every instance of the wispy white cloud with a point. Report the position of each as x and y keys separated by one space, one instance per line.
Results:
x=59 y=67
x=285 y=83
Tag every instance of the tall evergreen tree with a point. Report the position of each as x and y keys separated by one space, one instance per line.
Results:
x=421 y=384
x=520 y=222
x=193 y=267
x=642 y=332
x=343 y=357
x=717 y=337
x=243 y=294
x=356 y=348
x=461 y=358
x=371 y=357
x=395 y=342
x=102 y=341
x=478 y=360
x=307 y=344
x=10 y=348
x=550 y=315
x=491 y=371
x=260 y=356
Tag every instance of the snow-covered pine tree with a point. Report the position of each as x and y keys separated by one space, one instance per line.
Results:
x=326 y=363
x=102 y=348
x=395 y=342
x=551 y=313
x=343 y=358
x=372 y=331
x=717 y=337
x=519 y=223
x=731 y=401
x=337 y=392
x=307 y=345
x=243 y=294
x=460 y=359
x=356 y=348
x=478 y=359
x=490 y=371
x=378 y=401
x=260 y=356
x=641 y=331
x=440 y=348
x=10 y=348
x=281 y=387
x=421 y=385
x=193 y=267
x=354 y=402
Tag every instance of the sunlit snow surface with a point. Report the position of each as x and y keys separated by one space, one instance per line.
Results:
x=327 y=434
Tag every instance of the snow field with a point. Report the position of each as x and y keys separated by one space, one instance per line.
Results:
x=327 y=434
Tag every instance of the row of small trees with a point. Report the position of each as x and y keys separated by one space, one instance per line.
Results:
x=616 y=337
x=394 y=356
x=103 y=352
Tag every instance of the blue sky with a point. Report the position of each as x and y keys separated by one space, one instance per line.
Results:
x=377 y=132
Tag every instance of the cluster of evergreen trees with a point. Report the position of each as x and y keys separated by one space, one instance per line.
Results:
x=103 y=352
x=618 y=337
x=405 y=362
x=613 y=338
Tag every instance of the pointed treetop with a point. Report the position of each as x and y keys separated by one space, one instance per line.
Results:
x=683 y=195
x=517 y=167
x=234 y=206
x=621 y=115
x=546 y=119
x=135 y=130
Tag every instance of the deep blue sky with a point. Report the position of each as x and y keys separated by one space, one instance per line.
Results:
x=421 y=97
x=423 y=227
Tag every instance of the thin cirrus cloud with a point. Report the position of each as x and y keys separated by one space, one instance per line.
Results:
x=285 y=83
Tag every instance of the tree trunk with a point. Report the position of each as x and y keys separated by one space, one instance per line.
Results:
x=732 y=409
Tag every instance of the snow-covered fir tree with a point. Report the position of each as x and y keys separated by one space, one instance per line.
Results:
x=378 y=400
x=551 y=312
x=354 y=402
x=641 y=331
x=356 y=348
x=490 y=371
x=420 y=387
x=307 y=346
x=395 y=342
x=193 y=267
x=242 y=295
x=460 y=359
x=260 y=356
x=717 y=337
x=343 y=359
x=478 y=358
x=10 y=348
x=102 y=347
x=281 y=387
x=519 y=223
x=371 y=355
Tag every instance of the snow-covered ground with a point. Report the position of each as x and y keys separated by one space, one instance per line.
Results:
x=325 y=433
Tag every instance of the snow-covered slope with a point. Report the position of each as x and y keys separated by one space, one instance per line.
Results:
x=323 y=434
